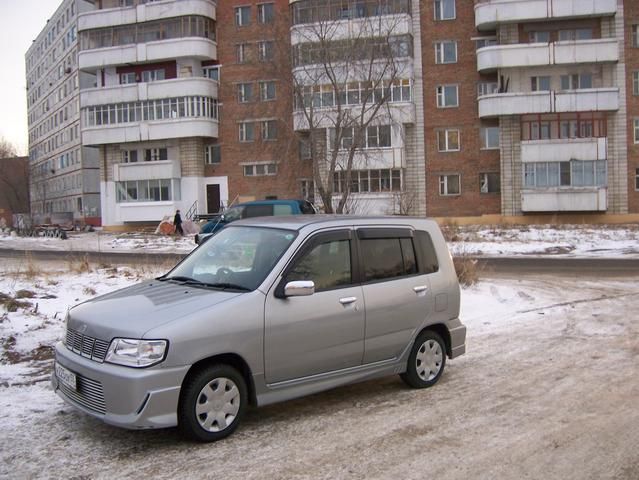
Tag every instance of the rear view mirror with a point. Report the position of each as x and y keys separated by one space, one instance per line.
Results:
x=300 y=288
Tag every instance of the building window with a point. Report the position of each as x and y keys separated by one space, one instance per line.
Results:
x=155 y=154
x=487 y=88
x=447 y=96
x=128 y=77
x=269 y=130
x=448 y=141
x=636 y=130
x=241 y=52
x=212 y=72
x=540 y=84
x=244 y=92
x=129 y=156
x=446 y=52
x=265 y=12
x=246 y=131
x=307 y=190
x=365 y=181
x=576 y=81
x=449 y=184
x=444 y=9
x=539 y=37
x=260 y=169
x=485 y=42
x=148 y=190
x=265 y=50
x=575 y=173
x=578 y=34
x=489 y=137
x=635 y=36
x=267 y=91
x=489 y=183
x=212 y=154
x=242 y=16
x=637 y=179
x=377 y=136
x=635 y=83
x=153 y=75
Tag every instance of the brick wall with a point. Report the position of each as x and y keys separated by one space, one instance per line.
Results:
x=631 y=14
x=470 y=161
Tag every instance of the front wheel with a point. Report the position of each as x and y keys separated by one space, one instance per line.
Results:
x=212 y=403
x=426 y=361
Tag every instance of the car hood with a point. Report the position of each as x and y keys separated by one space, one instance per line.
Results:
x=133 y=311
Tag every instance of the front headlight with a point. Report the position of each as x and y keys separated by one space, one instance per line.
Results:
x=131 y=352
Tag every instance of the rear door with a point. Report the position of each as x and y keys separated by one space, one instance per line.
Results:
x=322 y=332
x=396 y=290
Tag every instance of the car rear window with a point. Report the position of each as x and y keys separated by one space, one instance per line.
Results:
x=257 y=211
x=282 y=210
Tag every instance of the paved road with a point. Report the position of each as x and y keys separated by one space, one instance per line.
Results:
x=493 y=265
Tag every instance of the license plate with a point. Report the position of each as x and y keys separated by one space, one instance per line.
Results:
x=65 y=376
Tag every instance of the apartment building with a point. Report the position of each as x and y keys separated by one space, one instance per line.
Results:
x=64 y=174
x=508 y=107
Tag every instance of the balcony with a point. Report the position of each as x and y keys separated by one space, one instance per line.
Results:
x=391 y=113
x=559 y=199
x=145 y=131
x=146 y=170
x=586 y=100
x=377 y=26
x=561 y=150
x=145 y=13
x=524 y=55
x=490 y=13
x=134 y=92
x=170 y=49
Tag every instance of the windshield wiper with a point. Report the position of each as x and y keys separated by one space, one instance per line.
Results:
x=198 y=283
x=232 y=286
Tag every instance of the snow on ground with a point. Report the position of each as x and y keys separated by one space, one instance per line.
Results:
x=566 y=240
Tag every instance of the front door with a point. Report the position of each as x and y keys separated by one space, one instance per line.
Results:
x=322 y=332
x=212 y=198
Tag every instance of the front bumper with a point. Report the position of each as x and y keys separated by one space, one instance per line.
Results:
x=122 y=396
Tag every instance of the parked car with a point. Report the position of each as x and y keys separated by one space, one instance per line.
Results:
x=267 y=310
x=258 y=208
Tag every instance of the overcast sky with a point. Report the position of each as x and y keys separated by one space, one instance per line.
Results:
x=20 y=23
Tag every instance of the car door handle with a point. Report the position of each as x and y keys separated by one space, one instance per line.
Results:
x=347 y=300
x=420 y=288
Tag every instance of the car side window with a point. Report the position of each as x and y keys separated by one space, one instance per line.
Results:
x=426 y=252
x=282 y=210
x=385 y=258
x=257 y=211
x=327 y=264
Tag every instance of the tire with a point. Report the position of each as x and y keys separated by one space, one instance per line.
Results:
x=212 y=403
x=426 y=361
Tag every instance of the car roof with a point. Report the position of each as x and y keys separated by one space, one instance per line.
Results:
x=268 y=202
x=297 y=222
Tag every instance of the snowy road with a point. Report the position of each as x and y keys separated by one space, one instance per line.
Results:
x=547 y=390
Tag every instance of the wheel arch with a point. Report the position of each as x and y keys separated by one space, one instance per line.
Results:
x=442 y=331
x=233 y=360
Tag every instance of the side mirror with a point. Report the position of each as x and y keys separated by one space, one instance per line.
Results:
x=300 y=288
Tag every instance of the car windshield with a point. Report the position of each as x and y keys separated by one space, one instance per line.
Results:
x=236 y=258
x=233 y=213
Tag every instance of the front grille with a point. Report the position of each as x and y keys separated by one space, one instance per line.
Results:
x=89 y=394
x=87 y=346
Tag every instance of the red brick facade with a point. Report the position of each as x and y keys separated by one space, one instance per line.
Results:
x=470 y=161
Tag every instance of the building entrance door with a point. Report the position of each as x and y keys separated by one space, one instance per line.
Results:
x=213 y=198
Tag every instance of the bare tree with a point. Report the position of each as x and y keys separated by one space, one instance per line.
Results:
x=345 y=74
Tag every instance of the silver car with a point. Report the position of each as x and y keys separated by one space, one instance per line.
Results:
x=267 y=310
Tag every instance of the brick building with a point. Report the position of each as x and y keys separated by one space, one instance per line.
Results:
x=495 y=107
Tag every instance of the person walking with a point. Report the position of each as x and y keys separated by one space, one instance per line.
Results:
x=177 y=221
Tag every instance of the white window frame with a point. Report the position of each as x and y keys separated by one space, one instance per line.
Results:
x=241 y=52
x=635 y=82
x=438 y=10
x=244 y=92
x=209 y=156
x=484 y=183
x=263 y=52
x=484 y=143
x=240 y=20
x=637 y=179
x=269 y=130
x=444 y=185
x=446 y=136
x=635 y=35
x=261 y=13
x=535 y=83
x=209 y=70
x=246 y=132
x=441 y=95
x=440 y=52
x=487 y=88
x=259 y=169
x=264 y=91
x=636 y=130
x=575 y=81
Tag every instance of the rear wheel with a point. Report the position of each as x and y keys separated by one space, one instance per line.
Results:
x=426 y=361
x=212 y=403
